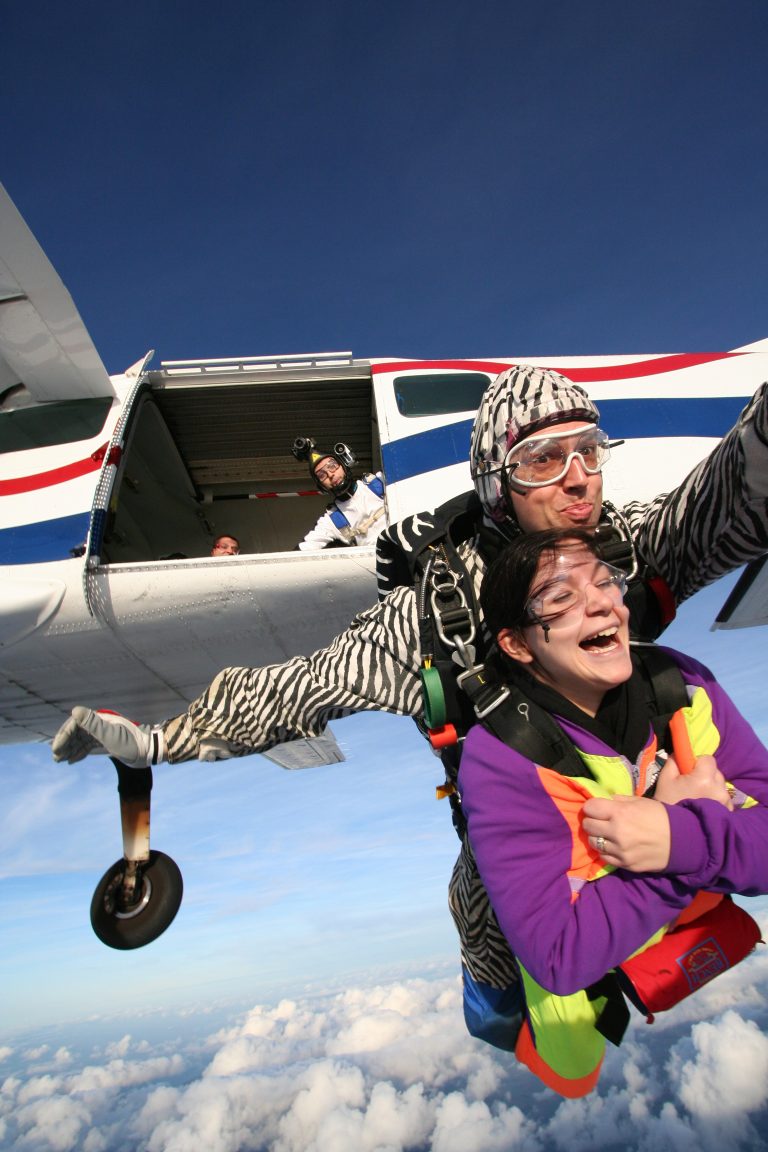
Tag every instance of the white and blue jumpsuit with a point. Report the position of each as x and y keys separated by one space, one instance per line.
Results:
x=354 y=519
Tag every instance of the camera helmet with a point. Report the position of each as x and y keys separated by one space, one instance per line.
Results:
x=305 y=448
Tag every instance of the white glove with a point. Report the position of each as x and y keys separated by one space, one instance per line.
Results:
x=107 y=734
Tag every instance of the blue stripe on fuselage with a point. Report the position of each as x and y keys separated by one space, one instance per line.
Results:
x=45 y=541
x=621 y=419
x=428 y=451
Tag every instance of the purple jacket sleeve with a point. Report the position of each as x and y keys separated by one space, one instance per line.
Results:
x=711 y=847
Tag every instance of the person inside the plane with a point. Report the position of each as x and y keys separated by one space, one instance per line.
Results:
x=577 y=887
x=225 y=545
x=356 y=514
x=713 y=522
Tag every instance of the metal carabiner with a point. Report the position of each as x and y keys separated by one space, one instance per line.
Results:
x=442 y=578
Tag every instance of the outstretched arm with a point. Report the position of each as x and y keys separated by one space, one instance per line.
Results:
x=717 y=519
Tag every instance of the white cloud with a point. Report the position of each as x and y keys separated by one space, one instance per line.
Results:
x=391 y=1069
x=10 y=1086
x=727 y=1073
x=123 y=1073
x=462 y=1126
x=118 y=1048
x=57 y=1123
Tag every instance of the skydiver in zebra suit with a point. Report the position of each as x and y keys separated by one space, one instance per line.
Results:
x=712 y=523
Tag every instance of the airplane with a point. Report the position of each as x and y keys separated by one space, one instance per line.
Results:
x=114 y=486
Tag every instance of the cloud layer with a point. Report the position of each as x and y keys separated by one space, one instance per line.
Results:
x=390 y=1068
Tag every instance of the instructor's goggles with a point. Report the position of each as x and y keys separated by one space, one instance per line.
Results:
x=542 y=460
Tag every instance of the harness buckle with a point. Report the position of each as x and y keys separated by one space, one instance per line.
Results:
x=484 y=696
x=450 y=622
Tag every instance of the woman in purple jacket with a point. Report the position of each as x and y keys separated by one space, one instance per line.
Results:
x=584 y=871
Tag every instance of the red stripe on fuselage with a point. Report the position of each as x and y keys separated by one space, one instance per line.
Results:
x=72 y=471
x=654 y=367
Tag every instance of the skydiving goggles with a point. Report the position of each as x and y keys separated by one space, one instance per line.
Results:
x=562 y=594
x=328 y=471
x=542 y=460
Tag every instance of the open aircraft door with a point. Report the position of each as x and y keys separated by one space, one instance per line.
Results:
x=202 y=449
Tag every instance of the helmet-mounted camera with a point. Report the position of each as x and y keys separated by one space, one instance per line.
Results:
x=302 y=447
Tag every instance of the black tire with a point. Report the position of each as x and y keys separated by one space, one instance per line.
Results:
x=158 y=903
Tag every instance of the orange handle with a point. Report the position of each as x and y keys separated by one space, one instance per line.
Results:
x=681 y=744
x=683 y=753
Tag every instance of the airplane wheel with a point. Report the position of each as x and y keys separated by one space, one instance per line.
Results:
x=142 y=922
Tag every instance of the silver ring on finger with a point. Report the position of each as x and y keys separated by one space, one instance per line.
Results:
x=600 y=844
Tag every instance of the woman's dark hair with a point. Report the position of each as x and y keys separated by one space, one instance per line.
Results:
x=507 y=584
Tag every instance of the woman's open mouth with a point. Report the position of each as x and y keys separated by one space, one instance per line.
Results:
x=604 y=641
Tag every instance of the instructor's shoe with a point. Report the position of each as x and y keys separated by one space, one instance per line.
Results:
x=88 y=733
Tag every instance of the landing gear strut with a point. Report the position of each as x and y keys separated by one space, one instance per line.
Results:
x=138 y=897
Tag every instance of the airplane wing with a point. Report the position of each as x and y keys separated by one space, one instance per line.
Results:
x=43 y=341
x=310 y=753
x=747 y=604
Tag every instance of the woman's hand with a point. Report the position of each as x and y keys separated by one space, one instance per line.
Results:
x=633 y=832
x=629 y=832
x=704 y=782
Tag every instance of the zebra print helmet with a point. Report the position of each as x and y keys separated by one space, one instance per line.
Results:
x=519 y=401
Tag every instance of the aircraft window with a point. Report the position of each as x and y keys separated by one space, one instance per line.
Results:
x=43 y=425
x=439 y=393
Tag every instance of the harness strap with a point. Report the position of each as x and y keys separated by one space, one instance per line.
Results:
x=532 y=731
x=665 y=695
x=341 y=522
x=613 y=1021
x=338 y=519
x=365 y=524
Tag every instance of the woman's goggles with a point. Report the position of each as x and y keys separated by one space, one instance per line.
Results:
x=542 y=460
x=563 y=593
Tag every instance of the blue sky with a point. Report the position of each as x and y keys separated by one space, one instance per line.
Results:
x=402 y=179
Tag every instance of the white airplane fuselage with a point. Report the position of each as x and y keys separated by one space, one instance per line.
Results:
x=112 y=490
